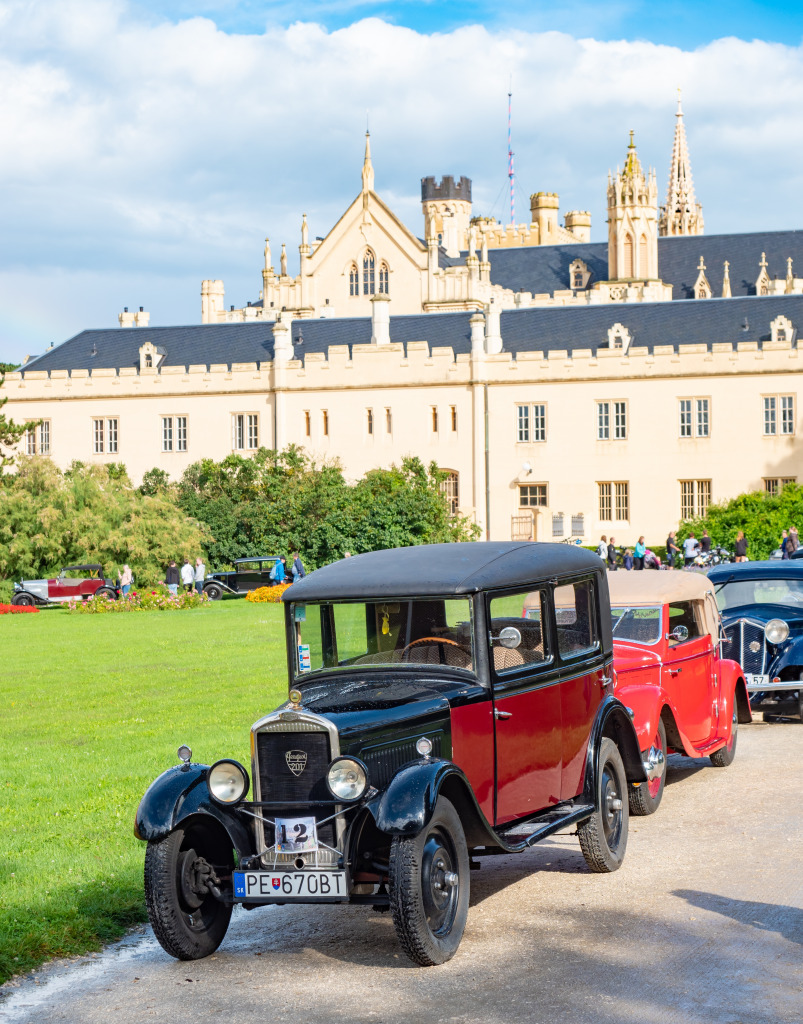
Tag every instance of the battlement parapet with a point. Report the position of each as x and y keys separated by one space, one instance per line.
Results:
x=447 y=188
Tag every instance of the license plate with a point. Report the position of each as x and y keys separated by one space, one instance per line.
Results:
x=756 y=681
x=262 y=886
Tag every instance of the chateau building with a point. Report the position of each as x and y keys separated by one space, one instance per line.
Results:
x=570 y=388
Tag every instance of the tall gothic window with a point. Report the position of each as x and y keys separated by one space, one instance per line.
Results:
x=384 y=284
x=354 y=280
x=368 y=273
x=628 y=267
x=642 y=256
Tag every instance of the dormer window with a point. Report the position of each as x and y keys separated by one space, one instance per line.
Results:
x=782 y=329
x=579 y=275
x=150 y=356
x=619 y=337
x=148 y=361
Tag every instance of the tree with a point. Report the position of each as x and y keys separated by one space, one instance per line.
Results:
x=762 y=516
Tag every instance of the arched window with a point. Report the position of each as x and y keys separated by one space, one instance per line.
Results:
x=451 y=488
x=628 y=267
x=354 y=280
x=368 y=262
x=384 y=282
x=642 y=256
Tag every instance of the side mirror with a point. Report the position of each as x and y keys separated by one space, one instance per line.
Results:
x=508 y=637
x=679 y=633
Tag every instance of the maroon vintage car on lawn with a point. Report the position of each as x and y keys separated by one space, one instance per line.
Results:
x=73 y=583
x=685 y=698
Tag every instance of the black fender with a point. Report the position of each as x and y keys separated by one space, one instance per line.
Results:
x=791 y=657
x=613 y=721
x=407 y=804
x=181 y=793
x=223 y=586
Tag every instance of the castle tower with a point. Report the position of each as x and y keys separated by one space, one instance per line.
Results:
x=682 y=215
x=447 y=212
x=544 y=211
x=632 y=222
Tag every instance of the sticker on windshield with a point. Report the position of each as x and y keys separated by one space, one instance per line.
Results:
x=303 y=658
x=300 y=612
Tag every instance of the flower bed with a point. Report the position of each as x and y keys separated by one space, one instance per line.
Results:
x=267 y=595
x=157 y=599
x=16 y=609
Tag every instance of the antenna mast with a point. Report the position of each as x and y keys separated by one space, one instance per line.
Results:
x=510 y=172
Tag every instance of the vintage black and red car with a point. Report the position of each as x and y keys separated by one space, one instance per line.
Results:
x=248 y=574
x=440 y=711
x=685 y=697
x=73 y=583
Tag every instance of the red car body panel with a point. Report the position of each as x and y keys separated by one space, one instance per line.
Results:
x=473 y=750
x=579 y=699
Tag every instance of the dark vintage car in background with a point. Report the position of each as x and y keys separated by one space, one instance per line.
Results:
x=685 y=697
x=247 y=574
x=431 y=723
x=761 y=604
x=73 y=583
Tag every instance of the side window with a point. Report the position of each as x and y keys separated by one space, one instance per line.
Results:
x=576 y=620
x=526 y=613
x=685 y=613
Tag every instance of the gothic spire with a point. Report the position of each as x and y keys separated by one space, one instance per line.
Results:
x=682 y=215
x=367 y=167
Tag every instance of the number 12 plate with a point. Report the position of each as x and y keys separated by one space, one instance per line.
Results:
x=265 y=886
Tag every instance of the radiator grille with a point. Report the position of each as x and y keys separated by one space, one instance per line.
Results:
x=383 y=763
x=274 y=749
x=740 y=636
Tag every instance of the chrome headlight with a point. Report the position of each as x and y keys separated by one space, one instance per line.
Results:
x=776 y=631
x=347 y=778
x=227 y=781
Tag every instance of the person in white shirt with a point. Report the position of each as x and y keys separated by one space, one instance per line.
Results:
x=691 y=548
x=602 y=548
x=200 y=575
x=187 y=575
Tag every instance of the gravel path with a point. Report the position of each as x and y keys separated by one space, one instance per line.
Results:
x=703 y=923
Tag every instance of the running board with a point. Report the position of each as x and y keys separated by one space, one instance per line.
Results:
x=527 y=833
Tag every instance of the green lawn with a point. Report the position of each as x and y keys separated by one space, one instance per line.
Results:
x=93 y=708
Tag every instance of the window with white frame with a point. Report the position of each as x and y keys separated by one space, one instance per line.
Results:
x=104 y=436
x=611 y=414
x=37 y=439
x=451 y=488
x=694 y=415
x=174 y=433
x=354 y=280
x=779 y=414
x=620 y=420
x=614 y=501
x=531 y=423
x=368 y=265
x=603 y=421
x=245 y=431
x=384 y=279
x=695 y=498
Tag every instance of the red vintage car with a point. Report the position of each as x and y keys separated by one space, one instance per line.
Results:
x=73 y=583
x=684 y=697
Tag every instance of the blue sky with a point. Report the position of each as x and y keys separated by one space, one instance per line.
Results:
x=148 y=146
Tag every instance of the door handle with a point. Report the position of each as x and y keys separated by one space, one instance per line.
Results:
x=674 y=671
x=502 y=714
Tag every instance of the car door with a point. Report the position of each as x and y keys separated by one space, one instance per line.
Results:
x=688 y=665
x=582 y=677
x=248 y=577
x=527 y=707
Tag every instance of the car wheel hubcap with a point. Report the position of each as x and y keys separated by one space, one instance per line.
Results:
x=440 y=883
x=611 y=807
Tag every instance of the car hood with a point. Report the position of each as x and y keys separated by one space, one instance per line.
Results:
x=629 y=656
x=763 y=613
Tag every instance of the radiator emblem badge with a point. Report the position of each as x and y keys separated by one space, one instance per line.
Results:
x=296 y=761
x=755 y=647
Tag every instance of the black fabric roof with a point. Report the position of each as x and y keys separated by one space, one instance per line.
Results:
x=542 y=329
x=545 y=268
x=437 y=570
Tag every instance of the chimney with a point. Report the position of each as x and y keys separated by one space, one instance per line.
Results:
x=380 y=319
x=141 y=319
x=127 y=319
x=282 y=340
x=493 y=329
x=477 y=323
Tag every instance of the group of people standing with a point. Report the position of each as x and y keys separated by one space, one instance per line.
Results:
x=631 y=558
x=279 y=573
x=189 y=576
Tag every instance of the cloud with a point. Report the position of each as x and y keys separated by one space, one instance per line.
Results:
x=148 y=151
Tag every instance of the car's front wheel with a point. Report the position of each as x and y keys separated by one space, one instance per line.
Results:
x=23 y=600
x=187 y=919
x=603 y=836
x=213 y=591
x=724 y=756
x=429 y=887
x=645 y=796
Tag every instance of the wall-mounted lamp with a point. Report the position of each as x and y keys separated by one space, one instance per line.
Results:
x=526 y=468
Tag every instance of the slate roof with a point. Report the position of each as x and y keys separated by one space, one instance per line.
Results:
x=537 y=329
x=545 y=268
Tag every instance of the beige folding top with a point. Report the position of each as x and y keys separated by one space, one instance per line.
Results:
x=649 y=587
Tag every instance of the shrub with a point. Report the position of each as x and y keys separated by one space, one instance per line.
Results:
x=157 y=599
x=267 y=595
x=16 y=609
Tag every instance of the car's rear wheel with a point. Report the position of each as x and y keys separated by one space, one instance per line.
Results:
x=187 y=919
x=106 y=592
x=724 y=756
x=23 y=600
x=645 y=796
x=603 y=836
x=213 y=591
x=429 y=887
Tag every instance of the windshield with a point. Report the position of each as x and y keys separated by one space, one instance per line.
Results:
x=639 y=625
x=742 y=593
x=436 y=633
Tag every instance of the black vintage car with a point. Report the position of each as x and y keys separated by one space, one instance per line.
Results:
x=248 y=574
x=761 y=604
x=448 y=703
